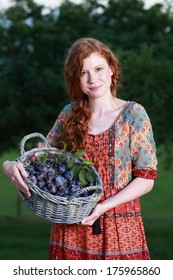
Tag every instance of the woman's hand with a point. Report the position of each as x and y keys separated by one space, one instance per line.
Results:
x=15 y=171
x=97 y=212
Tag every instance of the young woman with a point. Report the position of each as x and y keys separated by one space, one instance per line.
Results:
x=117 y=136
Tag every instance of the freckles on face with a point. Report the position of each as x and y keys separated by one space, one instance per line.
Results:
x=96 y=75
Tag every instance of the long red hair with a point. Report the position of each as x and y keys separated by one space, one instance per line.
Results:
x=75 y=125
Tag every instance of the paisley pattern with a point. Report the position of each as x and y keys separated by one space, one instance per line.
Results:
x=125 y=151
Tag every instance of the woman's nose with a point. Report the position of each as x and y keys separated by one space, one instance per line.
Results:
x=92 y=77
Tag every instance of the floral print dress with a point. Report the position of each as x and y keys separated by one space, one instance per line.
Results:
x=124 y=151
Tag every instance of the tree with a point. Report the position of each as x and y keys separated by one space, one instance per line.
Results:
x=34 y=44
x=31 y=72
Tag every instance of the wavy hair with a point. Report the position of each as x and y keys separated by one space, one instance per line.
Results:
x=75 y=125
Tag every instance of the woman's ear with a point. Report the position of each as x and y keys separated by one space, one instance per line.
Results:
x=111 y=72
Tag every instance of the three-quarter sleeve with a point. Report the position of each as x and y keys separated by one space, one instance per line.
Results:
x=142 y=144
x=55 y=130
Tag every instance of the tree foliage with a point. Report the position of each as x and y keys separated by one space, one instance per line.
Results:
x=34 y=42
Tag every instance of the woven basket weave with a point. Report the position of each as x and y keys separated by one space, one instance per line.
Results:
x=55 y=208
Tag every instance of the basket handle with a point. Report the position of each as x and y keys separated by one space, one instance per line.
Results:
x=90 y=188
x=29 y=136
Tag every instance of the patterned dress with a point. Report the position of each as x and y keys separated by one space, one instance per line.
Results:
x=125 y=151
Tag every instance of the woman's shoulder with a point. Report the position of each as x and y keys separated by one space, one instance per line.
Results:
x=133 y=107
x=136 y=111
x=130 y=107
x=68 y=107
x=132 y=111
x=129 y=103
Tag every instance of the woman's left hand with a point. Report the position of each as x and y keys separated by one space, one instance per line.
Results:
x=97 y=212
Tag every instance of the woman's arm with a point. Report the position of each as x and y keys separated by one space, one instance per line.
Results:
x=137 y=188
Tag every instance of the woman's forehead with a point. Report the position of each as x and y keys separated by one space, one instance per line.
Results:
x=94 y=59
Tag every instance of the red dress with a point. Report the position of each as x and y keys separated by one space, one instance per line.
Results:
x=118 y=158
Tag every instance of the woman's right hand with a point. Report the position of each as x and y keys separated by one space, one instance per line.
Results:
x=15 y=171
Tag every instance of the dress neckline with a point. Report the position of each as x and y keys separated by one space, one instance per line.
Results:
x=119 y=115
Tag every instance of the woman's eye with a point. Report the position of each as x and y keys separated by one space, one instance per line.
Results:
x=82 y=73
x=99 y=69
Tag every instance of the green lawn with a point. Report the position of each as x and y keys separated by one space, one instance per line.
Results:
x=157 y=209
x=24 y=238
x=27 y=236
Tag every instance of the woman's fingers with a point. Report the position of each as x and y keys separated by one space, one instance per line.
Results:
x=89 y=220
x=21 y=169
x=16 y=172
x=21 y=187
x=85 y=221
x=97 y=212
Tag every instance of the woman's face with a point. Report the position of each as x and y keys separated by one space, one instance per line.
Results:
x=95 y=77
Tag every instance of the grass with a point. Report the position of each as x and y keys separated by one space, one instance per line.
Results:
x=26 y=236
x=159 y=236
x=157 y=212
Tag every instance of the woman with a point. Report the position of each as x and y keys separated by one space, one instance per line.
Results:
x=117 y=136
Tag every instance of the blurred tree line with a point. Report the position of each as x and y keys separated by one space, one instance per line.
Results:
x=33 y=45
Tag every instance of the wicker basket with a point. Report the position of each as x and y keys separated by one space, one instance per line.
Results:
x=55 y=208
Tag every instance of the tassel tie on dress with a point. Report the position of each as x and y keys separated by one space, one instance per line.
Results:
x=96 y=229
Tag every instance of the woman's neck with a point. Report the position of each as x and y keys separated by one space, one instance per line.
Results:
x=103 y=104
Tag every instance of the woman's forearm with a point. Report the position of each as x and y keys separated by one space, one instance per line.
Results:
x=137 y=188
x=133 y=190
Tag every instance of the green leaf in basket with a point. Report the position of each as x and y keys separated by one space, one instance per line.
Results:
x=75 y=170
x=70 y=164
x=91 y=176
x=82 y=177
x=42 y=158
x=79 y=153
x=54 y=165
x=87 y=162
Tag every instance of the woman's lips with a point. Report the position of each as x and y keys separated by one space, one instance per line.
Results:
x=95 y=88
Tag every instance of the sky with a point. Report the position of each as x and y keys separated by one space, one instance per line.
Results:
x=53 y=3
